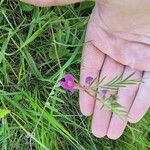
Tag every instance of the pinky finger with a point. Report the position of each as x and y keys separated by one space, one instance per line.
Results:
x=142 y=100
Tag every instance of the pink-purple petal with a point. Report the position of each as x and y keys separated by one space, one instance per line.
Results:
x=69 y=83
x=64 y=84
x=72 y=90
x=89 y=80
x=104 y=92
x=69 y=77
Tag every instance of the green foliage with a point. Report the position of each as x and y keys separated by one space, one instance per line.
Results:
x=118 y=82
x=42 y=115
x=26 y=7
x=4 y=112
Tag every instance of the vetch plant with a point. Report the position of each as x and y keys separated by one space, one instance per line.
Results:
x=107 y=93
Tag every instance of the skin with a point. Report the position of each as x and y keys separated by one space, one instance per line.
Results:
x=117 y=42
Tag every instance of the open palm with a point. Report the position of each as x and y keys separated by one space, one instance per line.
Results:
x=96 y=62
x=108 y=53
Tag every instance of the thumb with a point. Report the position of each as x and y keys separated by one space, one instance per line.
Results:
x=44 y=3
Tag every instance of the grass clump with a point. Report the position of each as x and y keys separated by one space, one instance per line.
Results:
x=36 y=46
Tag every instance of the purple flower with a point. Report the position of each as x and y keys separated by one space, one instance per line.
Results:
x=89 y=80
x=103 y=93
x=69 y=83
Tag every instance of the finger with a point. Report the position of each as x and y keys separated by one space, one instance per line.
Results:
x=125 y=98
x=92 y=60
x=142 y=100
x=102 y=115
x=44 y=3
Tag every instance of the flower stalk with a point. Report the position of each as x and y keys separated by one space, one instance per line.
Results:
x=107 y=92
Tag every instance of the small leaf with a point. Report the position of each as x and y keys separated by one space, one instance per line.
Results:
x=4 y=112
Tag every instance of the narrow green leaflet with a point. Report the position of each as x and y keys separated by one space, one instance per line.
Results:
x=4 y=112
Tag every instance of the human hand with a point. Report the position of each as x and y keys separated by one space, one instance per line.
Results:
x=135 y=99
